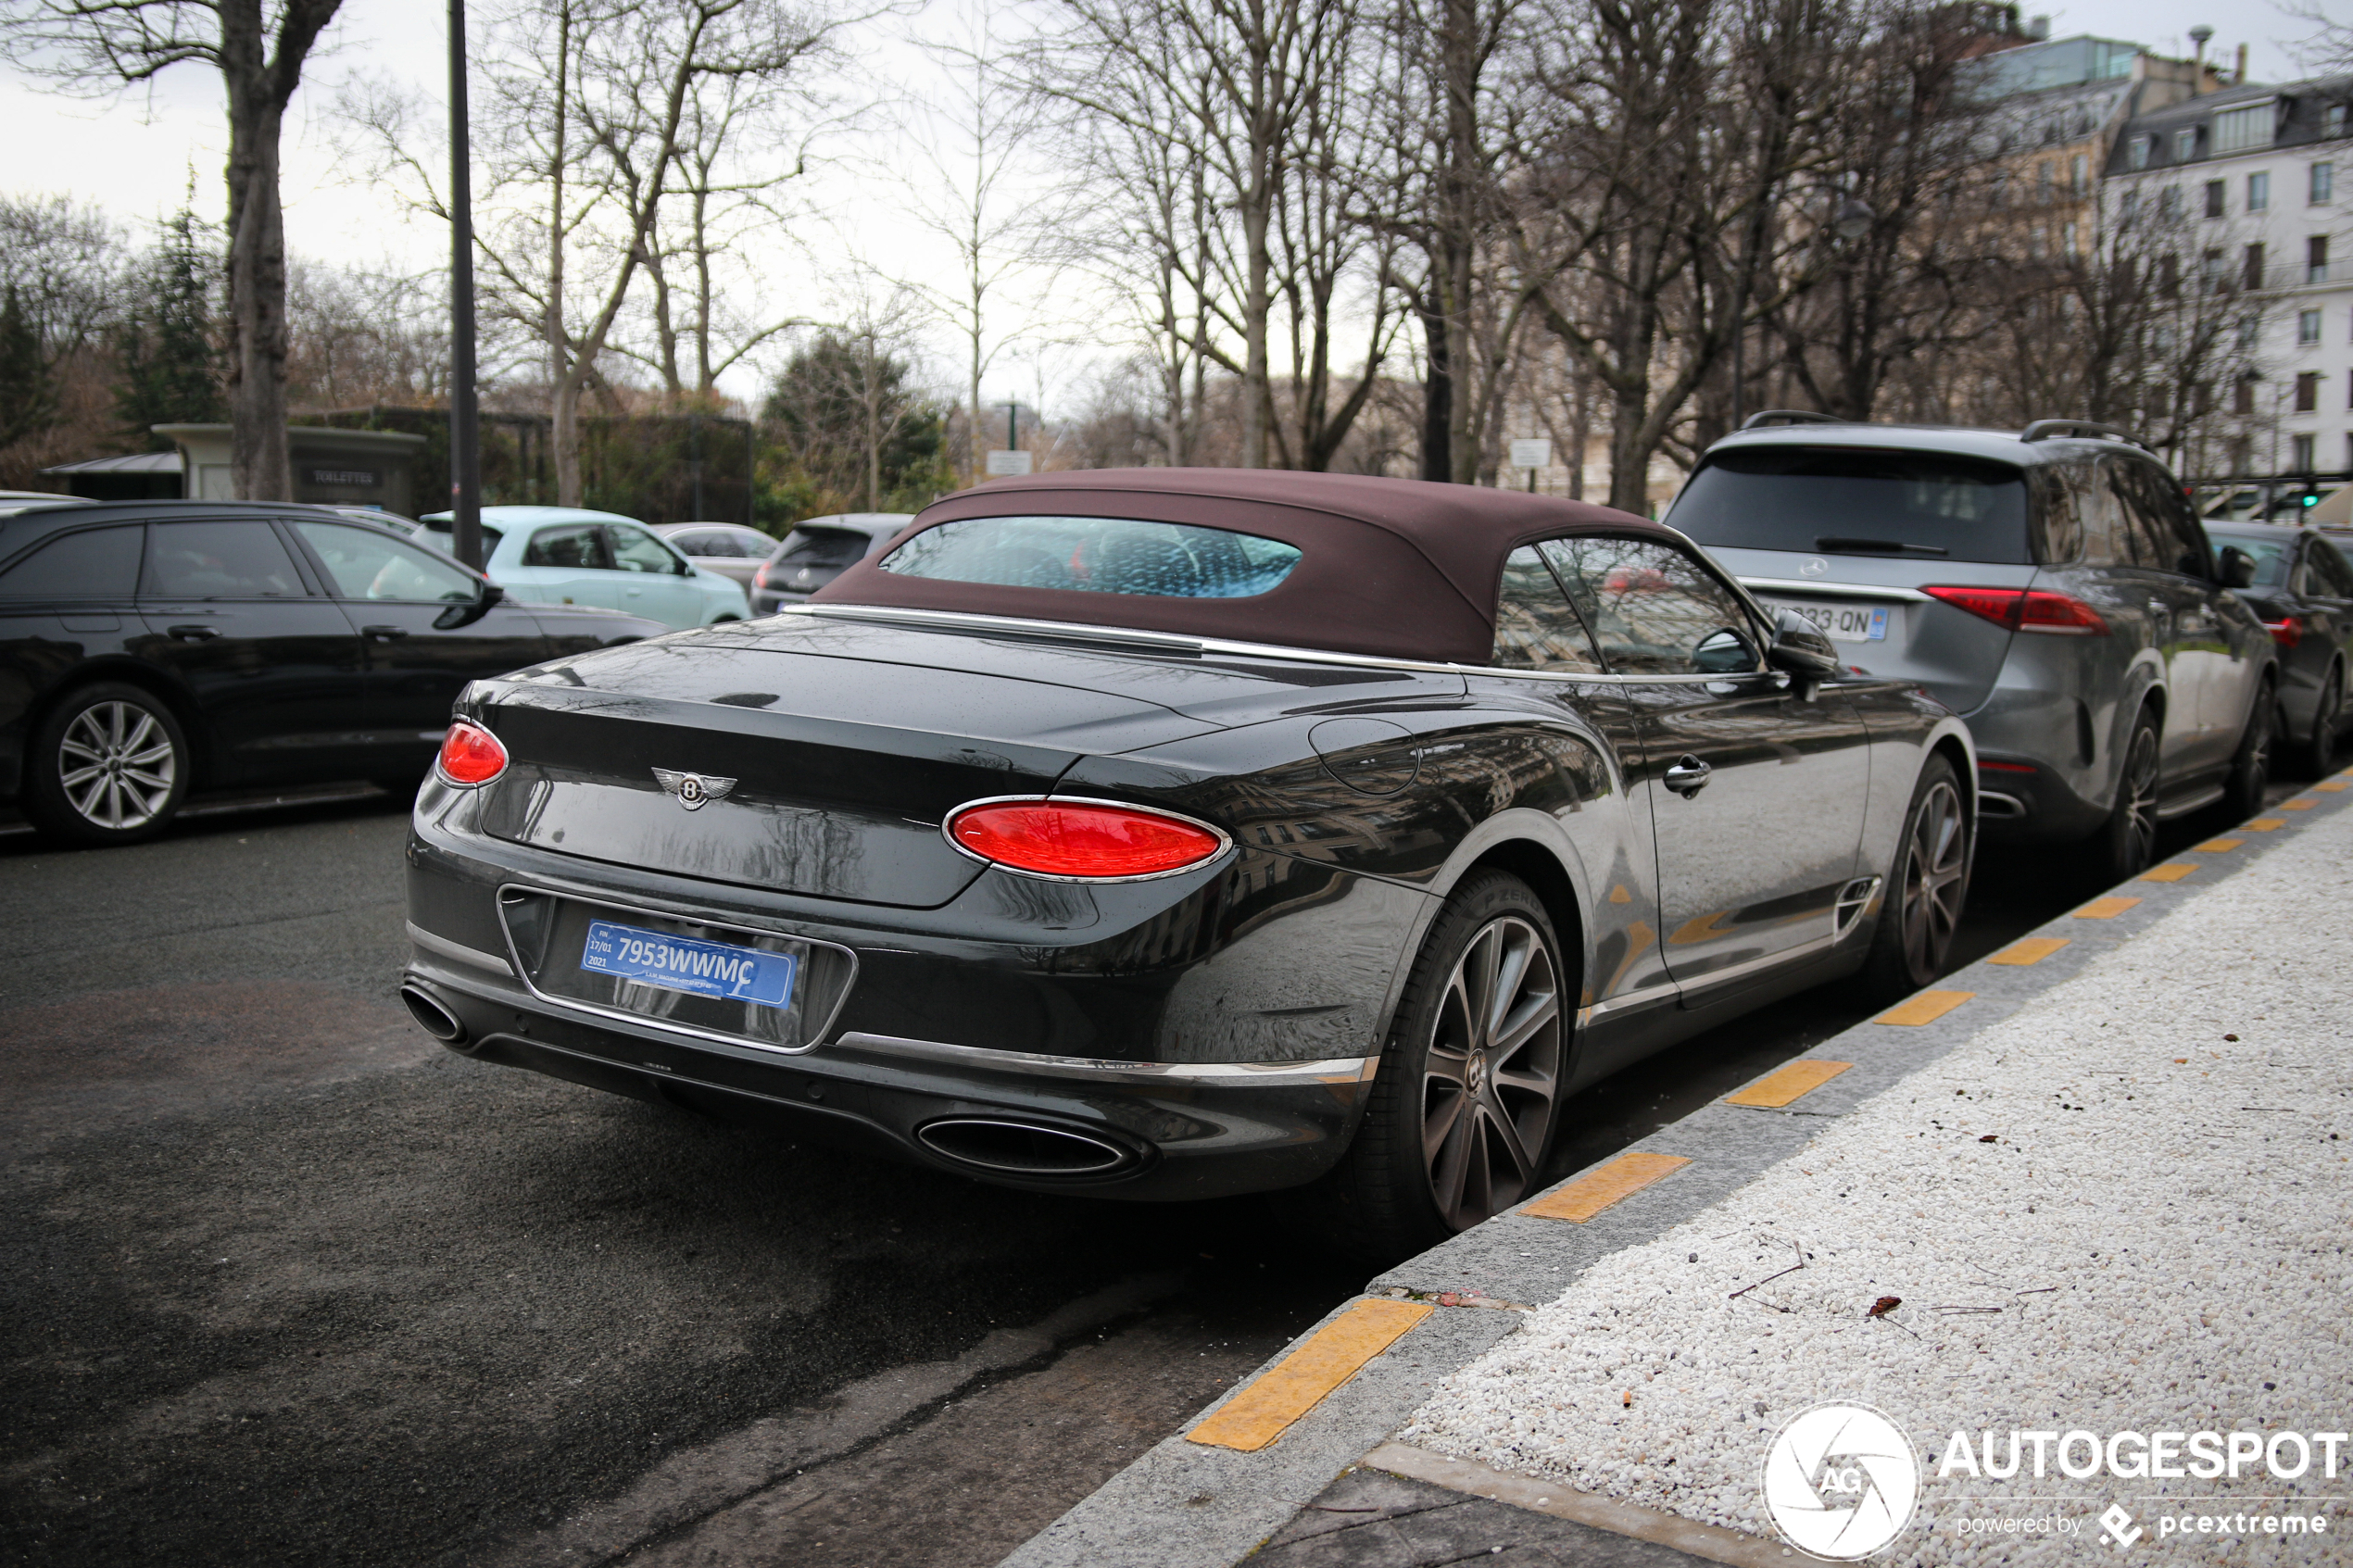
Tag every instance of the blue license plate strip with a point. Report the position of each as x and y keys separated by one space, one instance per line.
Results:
x=684 y=963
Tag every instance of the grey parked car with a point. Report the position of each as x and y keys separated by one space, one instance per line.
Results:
x=2303 y=591
x=818 y=550
x=730 y=549
x=2053 y=588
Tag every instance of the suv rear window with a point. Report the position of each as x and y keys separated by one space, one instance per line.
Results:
x=825 y=548
x=1860 y=501
x=1098 y=554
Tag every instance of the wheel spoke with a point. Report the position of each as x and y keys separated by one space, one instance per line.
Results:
x=1439 y=1126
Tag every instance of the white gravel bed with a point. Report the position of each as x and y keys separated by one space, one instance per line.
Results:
x=2162 y=1220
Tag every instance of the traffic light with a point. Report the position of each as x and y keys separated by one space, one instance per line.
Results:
x=2311 y=497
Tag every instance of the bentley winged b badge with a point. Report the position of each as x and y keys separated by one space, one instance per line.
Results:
x=693 y=789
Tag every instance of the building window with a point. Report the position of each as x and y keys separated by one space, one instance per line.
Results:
x=2253 y=279
x=2258 y=192
x=2138 y=156
x=2237 y=130
x=2078 y=174
x=2299 y=454
x=2243 y=395
x=2169 y=276
x=2214 y=199
x=2042 y=181
x=2333 y=120
x=2307 y=392
x=2250 y=333
x=2035 y=243
x=2307 y=326
x=2315 y=259
x=2169 y=205
x=2323 y=183
x=2184 y=146
x=2074 y=247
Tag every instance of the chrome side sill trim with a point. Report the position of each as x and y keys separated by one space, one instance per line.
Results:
x=1648 y=995
x=458 y=952
x=1835 y=590
x=2189 y=803
x=1265 y=1074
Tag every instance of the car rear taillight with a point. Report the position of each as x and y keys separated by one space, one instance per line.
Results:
x=2287 y=631
x=1088 y=839
x=470 y=755
x=2022 y=610
x=760 y=578
x=1986 y=767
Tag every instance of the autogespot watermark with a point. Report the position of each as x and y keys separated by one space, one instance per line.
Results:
x=1841 y=1482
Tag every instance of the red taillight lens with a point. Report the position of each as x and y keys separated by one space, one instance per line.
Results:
x=2286 y=633
x=760 y=578
x=1080 y=838
x=471 y=755
x=1986 y=767
x=2019 y=610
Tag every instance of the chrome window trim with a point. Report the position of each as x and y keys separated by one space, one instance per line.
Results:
x=522 y=972
x=458 y=952
x=1267 y=1074
x=1224 y=840
x=1834 y=590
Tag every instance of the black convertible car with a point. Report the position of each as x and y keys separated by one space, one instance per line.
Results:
x=152 y=647
x=1170 y=833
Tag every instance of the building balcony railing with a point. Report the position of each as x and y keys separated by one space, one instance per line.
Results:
x=2286 y=276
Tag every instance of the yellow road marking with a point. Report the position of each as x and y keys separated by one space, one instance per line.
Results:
x=1784 y=1084
x=2331 y=786
x=2297 y=805
x=1292 y=1387
x=2035 y=950
x=1925 y=1008
x=2168 y=873
x=2105 y=908
x=2263 y=824
x=2219 y=845
x=1598 y=1189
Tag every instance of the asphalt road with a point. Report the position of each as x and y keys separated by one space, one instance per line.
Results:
x=286 y=1282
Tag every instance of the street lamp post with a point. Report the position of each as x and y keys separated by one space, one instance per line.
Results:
x=465 y=426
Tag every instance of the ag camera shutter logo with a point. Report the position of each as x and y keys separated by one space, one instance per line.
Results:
x=1840 y=1481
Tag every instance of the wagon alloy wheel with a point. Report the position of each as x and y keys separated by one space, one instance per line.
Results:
x=1490 y=1077
x=1936 y=879
x=116 y=765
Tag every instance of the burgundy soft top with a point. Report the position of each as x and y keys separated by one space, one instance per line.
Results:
x=1394 y=566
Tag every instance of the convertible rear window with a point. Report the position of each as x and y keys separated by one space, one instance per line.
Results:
x=1863 y=501
x=1097 y=555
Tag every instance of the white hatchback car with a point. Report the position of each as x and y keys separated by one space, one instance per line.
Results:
x=568 y=554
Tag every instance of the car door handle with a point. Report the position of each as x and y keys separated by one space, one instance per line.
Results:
x=383 y=633
x=1688 y=776
x=192 y=634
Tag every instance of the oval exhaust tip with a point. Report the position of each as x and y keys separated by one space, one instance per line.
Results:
x=1023 y=1148
x=431 y=1017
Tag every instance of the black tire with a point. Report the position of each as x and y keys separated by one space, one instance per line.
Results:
x=1927 y=888
x=2126 y=843
x=108 y=765
x=2320 y=746
x=2251 y=764
x=1493 y=1107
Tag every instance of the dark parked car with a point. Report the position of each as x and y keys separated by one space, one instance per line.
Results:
x=150 y=648
x=1163 y=833
x=818 y=550
x=2303 y=591
x=2052 y=586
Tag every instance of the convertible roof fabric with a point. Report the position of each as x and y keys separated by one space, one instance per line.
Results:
x=1397 y=568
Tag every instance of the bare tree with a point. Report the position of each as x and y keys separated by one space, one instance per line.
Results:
x=260 y=48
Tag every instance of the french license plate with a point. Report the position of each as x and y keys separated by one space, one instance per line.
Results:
x=1843 y=623
x=683 y=963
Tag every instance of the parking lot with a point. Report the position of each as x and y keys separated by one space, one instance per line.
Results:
x=295 y=1284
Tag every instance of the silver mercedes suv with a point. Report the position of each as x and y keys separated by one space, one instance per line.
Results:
x=2053 y=588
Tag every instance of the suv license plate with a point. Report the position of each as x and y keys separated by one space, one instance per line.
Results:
x=684 y=963
x=1843 y=623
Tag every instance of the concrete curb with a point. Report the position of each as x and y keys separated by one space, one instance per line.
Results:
x=1182 y=1505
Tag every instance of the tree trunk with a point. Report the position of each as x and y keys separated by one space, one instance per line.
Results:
x=1438 y=394
x=256 y=358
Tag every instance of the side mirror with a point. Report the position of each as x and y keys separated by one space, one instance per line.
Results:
x=1724 y=652
x=466 y=614
x=2236 y=567
x=1800 y=650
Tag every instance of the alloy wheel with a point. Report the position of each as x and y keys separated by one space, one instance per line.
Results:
x=116 y=765
x=1491 y=1080
x=1935 y=880
x=2138 y=787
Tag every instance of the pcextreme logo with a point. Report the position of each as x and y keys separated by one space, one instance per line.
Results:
x=1840 y=1481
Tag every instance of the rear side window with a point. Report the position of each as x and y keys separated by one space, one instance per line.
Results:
x=823 y=548
x=1848 y=500
x=1098 y=554
x=634 y=549
x=580 y=548
x=94 y=564
x=1536 y=628
x=219 y=561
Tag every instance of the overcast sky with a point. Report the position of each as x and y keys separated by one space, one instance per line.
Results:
x=135 y=155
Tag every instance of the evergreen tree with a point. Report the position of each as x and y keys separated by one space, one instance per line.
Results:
x=28 y=391
x=848 y=418
x=170 y=366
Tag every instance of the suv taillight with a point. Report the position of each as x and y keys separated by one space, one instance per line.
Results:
x=2023 y=610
